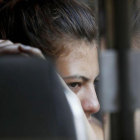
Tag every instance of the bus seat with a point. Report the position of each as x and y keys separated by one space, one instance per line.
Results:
x=32 y=101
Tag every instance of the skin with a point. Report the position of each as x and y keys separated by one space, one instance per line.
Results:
x=8 y=47
x=79 y=69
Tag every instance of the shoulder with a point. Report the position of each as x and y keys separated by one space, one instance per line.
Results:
x=97 y=127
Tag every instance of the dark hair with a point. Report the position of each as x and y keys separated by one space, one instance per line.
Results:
x=44 y=23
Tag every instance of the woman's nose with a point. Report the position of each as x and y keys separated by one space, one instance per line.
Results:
x=89 y=101
x=91 y=106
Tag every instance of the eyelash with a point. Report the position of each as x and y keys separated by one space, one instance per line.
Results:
x=76 y=83
x=95 y=83
x=76 y=86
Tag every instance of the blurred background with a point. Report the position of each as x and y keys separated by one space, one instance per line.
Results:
x=119 y=92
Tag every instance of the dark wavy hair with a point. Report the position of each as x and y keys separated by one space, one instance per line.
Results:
x=45 y=24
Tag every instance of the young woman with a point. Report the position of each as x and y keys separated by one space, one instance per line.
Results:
x=63 y=30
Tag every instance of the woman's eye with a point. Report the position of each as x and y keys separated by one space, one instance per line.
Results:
x=74 y=86
x=95 y=84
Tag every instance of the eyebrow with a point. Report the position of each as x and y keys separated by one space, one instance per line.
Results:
x=80 y=77
x=77 y=77
x=98 y=77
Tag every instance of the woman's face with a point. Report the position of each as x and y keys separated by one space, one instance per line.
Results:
x=79 y=69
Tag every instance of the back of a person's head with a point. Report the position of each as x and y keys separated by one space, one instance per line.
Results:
x=47 y=24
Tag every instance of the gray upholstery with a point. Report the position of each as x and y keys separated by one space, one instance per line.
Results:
x=32 y=101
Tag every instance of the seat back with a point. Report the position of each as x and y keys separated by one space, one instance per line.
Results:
x=32 y=101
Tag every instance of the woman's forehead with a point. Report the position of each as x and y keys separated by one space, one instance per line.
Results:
x=79 y=61
x=79 y=49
